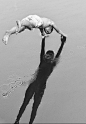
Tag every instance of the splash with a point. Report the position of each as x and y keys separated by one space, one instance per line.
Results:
x=14 y=82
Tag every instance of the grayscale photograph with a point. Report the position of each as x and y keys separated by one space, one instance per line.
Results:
x=42 y=56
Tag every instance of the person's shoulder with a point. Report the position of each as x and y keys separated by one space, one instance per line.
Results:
x=56 y=61
x=42 y=61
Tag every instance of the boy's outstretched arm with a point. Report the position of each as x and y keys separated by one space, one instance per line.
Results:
x=63 y=40
x=42 y=49
x=58 y=31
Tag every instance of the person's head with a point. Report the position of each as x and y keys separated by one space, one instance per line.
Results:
x=48 y=30
x=49 y=56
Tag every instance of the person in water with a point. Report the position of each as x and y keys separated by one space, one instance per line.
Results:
x=48 y=62
x=30 y=22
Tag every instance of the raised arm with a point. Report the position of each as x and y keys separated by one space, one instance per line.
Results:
x=57 y=30
x=63 y=40
x=42 y=49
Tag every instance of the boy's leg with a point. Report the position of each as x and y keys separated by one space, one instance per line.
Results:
x=37 y=101
x=18 y=26
x=7 y=35
x=24 y=22
x=10 y=32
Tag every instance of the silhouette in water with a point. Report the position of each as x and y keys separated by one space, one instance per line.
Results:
x=38 y=84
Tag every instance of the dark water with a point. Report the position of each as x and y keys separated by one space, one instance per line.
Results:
x=65 y=96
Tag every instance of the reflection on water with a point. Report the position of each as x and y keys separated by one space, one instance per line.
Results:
x=65 y=86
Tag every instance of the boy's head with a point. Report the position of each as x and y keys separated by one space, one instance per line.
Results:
x=48 y=30
x=49 y=56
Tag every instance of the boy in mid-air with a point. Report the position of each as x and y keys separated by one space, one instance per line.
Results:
x=48 y=62
x=45 y=26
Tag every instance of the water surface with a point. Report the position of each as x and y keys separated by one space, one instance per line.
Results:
x=65 y=96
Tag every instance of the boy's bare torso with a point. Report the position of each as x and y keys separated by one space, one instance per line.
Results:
x=36 y=20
